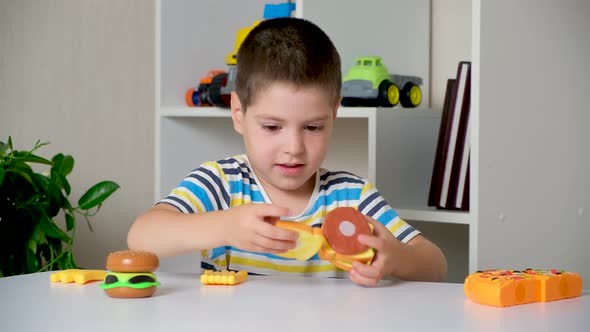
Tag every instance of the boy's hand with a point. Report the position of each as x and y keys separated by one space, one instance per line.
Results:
x=251 y=227
x=388 y=253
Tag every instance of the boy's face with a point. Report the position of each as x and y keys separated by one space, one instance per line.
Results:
x=286 y=132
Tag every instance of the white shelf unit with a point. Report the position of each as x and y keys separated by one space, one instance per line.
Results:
x=393 y=147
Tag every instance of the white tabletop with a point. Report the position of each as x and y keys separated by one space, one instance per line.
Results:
x=33 y=303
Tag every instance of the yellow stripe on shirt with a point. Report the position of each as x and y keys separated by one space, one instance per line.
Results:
x=282 y=268
x=400 y=222
x=187 y=196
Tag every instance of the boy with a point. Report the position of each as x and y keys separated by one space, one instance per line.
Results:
x=287 y=95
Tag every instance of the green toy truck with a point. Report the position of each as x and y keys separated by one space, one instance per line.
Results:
x=368 y=83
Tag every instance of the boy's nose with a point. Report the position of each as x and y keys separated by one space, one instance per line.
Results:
x=294 y=144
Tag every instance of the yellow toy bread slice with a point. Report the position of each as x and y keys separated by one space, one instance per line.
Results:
x=308 y=243
x=503 y=288
x=78 y=276
x=229 y=278
x=345 y=261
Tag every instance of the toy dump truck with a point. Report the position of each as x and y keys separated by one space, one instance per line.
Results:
x=223 y=84
x=368 y=83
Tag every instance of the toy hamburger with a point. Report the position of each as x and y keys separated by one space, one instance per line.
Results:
x=341 y=247
x=131 y=274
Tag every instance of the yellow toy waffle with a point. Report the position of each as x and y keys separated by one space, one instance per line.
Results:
x=78 y=276
x=504 y=288
x=230 y=278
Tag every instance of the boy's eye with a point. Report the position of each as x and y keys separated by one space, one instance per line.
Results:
x=313 y=128
x=270 y=127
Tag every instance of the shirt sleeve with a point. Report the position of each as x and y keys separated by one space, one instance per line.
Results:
x=372 y=204
x=204 y=190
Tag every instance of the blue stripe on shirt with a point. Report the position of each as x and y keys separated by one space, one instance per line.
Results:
x=344 y=194
x=199 y=192
x=210 y=187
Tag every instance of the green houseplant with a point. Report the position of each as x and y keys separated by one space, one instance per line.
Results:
x=32 y=203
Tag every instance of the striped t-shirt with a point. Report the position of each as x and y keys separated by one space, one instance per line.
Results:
x=230 y=182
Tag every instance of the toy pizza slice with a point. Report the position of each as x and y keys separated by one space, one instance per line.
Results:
x=503 y=288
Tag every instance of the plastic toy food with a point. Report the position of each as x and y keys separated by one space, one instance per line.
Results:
x=78 y=276
x=131 y=274
x=368 y=83
x=309 y=241
x=335 y=242
x=503 y=288
x=341 y=228
x=229 y=278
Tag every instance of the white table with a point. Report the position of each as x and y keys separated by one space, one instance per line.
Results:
x=33 y=303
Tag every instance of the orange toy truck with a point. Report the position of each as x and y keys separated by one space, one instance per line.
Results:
x=200 y=95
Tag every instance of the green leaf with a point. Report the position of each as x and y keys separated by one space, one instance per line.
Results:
x=33 y=261
x=10 y=142
x=67 y=165
x=2 y=172
x=70 y=222
x=41 y=181
x=32 y=245
x=56 y=161
x=56 y=200
x=38 y=236
x=97 y=194
x=3 y=148
x=27 y=156
x=61 y=181
x=23 y=170
x=67 y=261
x=51 y=229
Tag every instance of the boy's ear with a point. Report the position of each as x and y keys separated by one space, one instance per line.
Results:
x=236 y=112
x=337 y=107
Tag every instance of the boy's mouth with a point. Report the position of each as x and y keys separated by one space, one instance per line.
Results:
x=290 y=169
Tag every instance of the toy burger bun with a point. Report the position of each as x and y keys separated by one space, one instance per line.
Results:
x=308 y=243
x=131 y=274
x=341 y=229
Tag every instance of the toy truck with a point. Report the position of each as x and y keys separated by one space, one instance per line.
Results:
x=368 y=83
x=200 y=96
x=224 y=83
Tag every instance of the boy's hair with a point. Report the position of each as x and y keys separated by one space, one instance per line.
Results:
x=287 y=50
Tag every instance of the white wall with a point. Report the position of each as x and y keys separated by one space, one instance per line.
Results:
x=450 y=43
x=534 y=151
x=80 y=73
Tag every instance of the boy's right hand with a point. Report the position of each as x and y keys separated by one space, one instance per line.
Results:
x=251 y=227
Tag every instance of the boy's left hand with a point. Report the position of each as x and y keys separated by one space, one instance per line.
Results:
x=388 y=253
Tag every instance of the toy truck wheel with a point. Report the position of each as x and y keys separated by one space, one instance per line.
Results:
x=191 y=98
x=351 y=102
x=411 y=95
x=215 y=96
x=203 y=95
x=388 y=94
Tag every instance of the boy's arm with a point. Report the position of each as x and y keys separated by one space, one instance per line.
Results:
x=421 y=260
x=166 y=231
